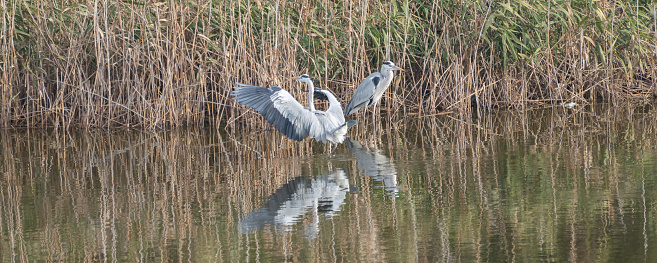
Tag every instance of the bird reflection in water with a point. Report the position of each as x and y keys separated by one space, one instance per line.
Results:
x=375 y=165
x=324 y=194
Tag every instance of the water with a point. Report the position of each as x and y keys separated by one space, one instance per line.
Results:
x=548 y=185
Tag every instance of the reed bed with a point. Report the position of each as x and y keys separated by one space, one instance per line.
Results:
x=99 y=63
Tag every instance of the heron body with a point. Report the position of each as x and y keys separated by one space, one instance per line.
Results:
x=370 y=91
x=335 y=127
x=289 y=117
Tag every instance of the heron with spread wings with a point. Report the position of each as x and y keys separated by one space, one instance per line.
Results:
x=289 y=117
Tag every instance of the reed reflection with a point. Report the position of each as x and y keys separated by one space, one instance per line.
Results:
x=322 y=195
x=574 y=187
x=375 y=165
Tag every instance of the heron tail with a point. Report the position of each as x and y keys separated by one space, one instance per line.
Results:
x=346 y=124
x=347 y=110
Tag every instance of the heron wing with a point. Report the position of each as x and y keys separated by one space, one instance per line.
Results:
x=324 y=122
x=363 y=94
x=279 y=108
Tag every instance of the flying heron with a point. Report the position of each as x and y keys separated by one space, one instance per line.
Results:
x=289 y=117
x=370 y=91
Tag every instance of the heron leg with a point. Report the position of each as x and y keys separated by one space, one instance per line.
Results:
x=374 y=116
x=331 y=148
x=362 y=127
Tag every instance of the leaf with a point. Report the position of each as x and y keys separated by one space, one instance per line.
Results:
x=601 y=15
x=489 y=21
x=589 y=40
x=581 y=22
x=22 y=33
x=601 y=54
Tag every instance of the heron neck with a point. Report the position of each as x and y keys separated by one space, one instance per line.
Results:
x=386 y=73
x=334 y=106
x=311 y=91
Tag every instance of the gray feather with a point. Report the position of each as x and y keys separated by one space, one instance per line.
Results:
x=370 y=91
x=363 y=94
x=278 y=107
x=376 y=80
x=289 y=117
x=320 y=95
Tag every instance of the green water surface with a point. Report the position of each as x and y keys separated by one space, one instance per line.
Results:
x=547 y=185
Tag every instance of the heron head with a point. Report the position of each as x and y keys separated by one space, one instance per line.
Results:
x=389 y=65
x=303 y=78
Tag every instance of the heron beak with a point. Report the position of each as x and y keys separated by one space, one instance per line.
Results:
x=398 y=68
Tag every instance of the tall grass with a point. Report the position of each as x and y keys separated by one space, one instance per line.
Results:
x=100 y=63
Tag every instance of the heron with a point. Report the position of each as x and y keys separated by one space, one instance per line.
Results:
x=289 y=117
x=373 y=163
x=324 y=194
x=370 y=91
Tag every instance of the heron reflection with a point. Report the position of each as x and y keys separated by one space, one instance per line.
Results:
x=324 y=195
x=375 y=165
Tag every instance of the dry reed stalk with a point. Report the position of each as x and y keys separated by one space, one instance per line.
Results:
x=103 y=64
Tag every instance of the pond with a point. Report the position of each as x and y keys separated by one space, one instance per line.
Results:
x=552 y=184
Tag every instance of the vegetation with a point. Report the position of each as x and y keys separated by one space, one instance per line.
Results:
x=94 y=63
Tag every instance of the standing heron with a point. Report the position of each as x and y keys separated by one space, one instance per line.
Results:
x=370 y=91
x=289 y=117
